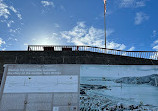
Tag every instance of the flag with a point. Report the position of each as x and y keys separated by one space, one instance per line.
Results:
x=104 y=6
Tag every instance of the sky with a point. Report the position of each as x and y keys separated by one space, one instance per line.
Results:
x=118 y=70
x=130 y=24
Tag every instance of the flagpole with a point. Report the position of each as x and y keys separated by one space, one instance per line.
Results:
x=105 y=21
x=105 y=28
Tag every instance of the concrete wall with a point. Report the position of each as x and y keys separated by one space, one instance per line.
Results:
x=40 y=88
x=67 y=57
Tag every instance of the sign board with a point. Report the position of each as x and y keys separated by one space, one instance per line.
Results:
x=40 y=88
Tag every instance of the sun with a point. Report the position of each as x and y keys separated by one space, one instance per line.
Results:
x=46 y=39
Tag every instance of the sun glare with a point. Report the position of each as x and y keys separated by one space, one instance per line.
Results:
x=45 y=39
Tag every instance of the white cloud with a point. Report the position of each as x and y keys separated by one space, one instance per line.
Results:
x=62 y=8
x=1 y=42
x=4 y=12
x=82 y=35
x=12 y=39
x=16 y=12
x=13 y=9
x=154 y=33
x=140 y=4
x=155 y=42
x=131 y=49
x=132 y=3
x=56 y=25
x=113 y=45
x=109 y=32
x=19 y=16
x=9 y=23
x=155 y=47
x=26 y=44
x=3 y=49
x=47 y=3
x=17 y=30
x=140 y=17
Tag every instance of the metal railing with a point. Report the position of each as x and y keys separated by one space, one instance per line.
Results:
x=136 y=54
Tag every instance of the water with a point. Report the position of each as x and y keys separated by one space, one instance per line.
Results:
x=129 y=93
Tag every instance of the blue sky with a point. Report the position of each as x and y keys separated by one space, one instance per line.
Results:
x=131 y=24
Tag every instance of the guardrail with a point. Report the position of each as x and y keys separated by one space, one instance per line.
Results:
x=137 y=54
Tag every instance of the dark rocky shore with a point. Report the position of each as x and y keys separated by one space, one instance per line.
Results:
x=150 y=80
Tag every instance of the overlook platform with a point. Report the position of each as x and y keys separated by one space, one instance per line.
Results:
x=76 y=55
x=137 y=54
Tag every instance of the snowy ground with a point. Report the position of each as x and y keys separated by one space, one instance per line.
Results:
x=94 y=97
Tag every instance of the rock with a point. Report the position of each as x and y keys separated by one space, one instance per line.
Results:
x=92 y=87
x=82 y=92
x=102 y=87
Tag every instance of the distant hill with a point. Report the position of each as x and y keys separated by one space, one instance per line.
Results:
x=150 y=80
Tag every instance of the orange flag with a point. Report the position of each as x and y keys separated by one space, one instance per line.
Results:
x=104 y=6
